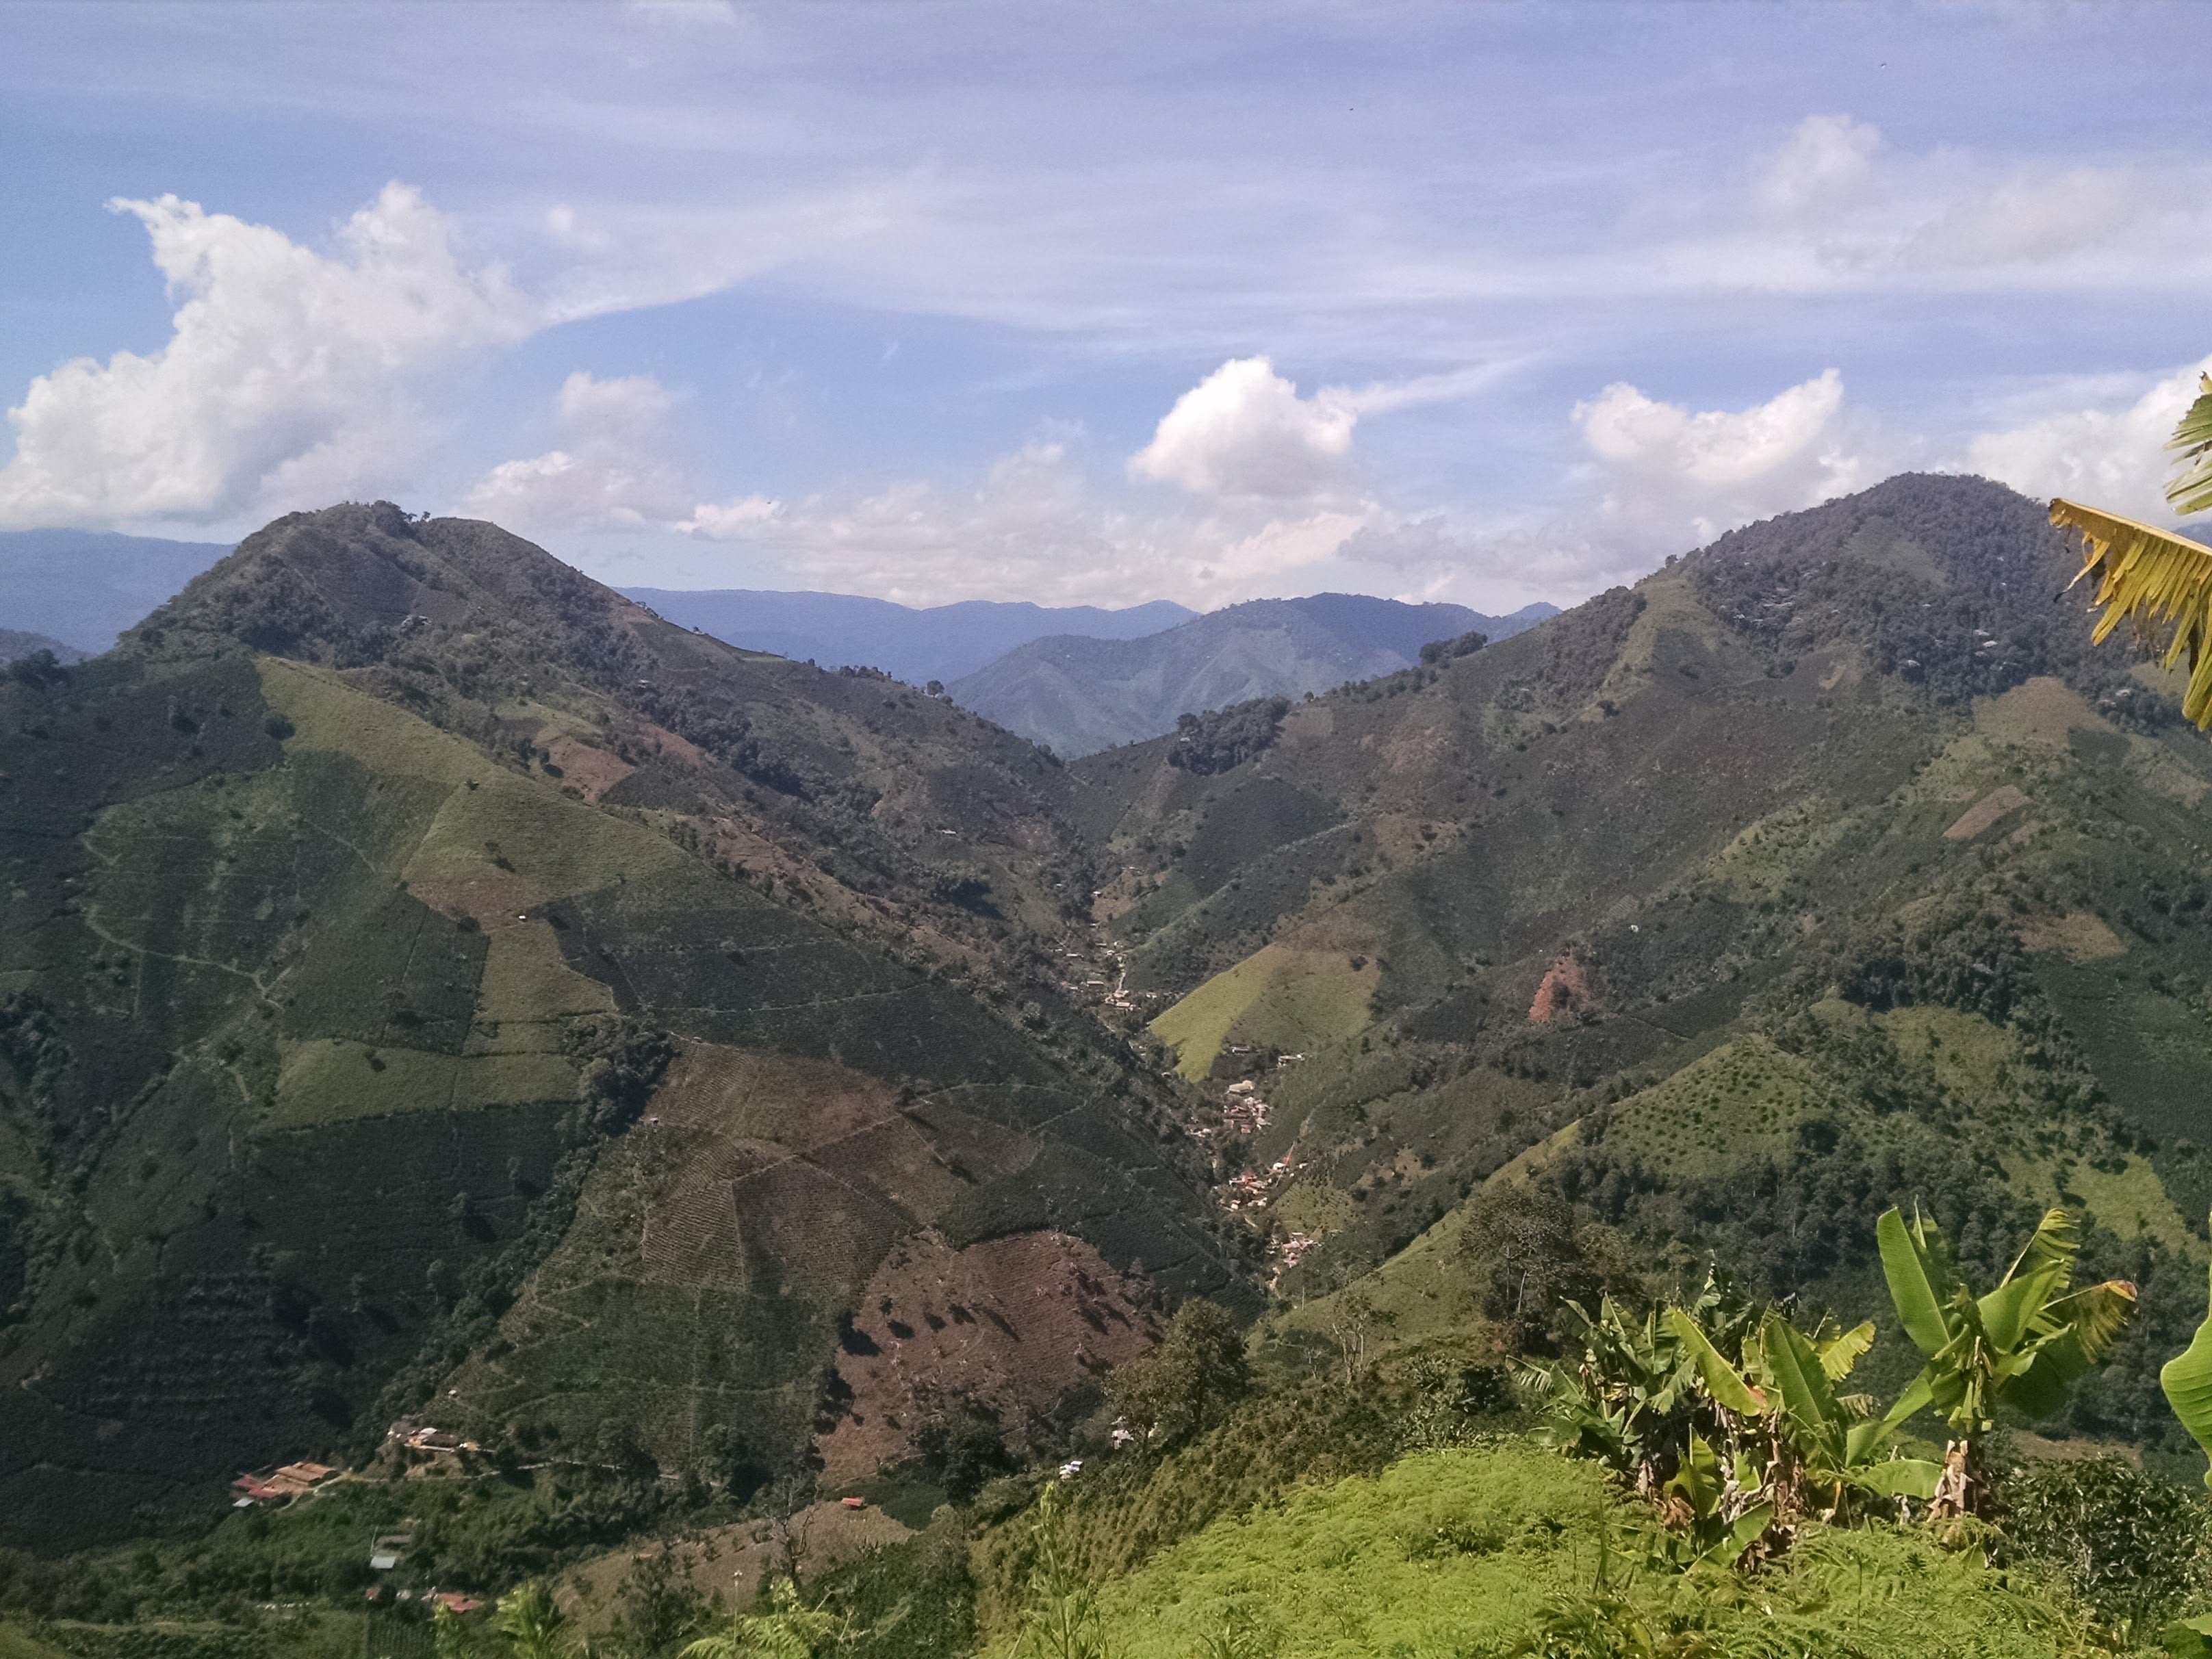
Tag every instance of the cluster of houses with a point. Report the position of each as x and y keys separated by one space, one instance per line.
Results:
x=281 y=1485
x=1244 y=1110
x=416 y=1442
x=1250 y=1189
x=1287 y=1252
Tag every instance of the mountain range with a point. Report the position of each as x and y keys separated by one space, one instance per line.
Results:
x=14 y=644
x=85 y=587
x=940 y=642
x=431 y=979
x=1081 y=695
x=432 y=986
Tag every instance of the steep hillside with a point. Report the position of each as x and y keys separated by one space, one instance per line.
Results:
x=87 y=586
x=941 y=642
x=1828 y=867
x=426 y=978
x=1078 y=695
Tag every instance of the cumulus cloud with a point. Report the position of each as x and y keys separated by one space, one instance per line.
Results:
x=289 y=376
x=1677 y=472
x=2110 y=455
x=1244 y=430
x=611 y=472
x=1033 y=527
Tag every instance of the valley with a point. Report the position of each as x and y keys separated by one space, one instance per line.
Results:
x=438 y=988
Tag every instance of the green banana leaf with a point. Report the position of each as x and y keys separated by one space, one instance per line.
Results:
x=2082 y=1328
x=1751 y=1526
x=2192 y=490
x=2007 y=1314
x=2056 y=1243
x=1918 y=1395
x=2187 y=1380
x=1722 y=1379
x=1808 y=1399
x=1898 y=1477
x=1918 y=1265
x=1842 y=1351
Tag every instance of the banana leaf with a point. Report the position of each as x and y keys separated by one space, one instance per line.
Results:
x=2191 y=489
x=1918 y=1264
x=2056 y=1244
x=2150 y=577
x=1898 y=1477
x=1842 y=1351
x=1808 y=1403
x=2082 y=1328
x=2187 y=1380
x=1722 y=1379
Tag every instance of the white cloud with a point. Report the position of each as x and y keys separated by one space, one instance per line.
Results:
x=2031 y=218
x=685 y=11
x=1674 y=472
x=740 y=518
x=289 y=376
x=2112 y=457
x=1827 y=163
x=1033 y=527
x=1244 y=430
x=611 y=472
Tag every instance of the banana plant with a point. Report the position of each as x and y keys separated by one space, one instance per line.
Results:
x=1716 y=1508
x=2152 y=578
x=1826 y=1451
x=1633 y=1396
x=2022 y=1346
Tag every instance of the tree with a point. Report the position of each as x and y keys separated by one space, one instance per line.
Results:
x=1530 y=1257
x=1181 y=1386
x=2022 y=1346
x=2152 y=578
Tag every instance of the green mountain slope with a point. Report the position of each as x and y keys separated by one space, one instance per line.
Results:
x=428 y=977
x=1080 y=695
x=1829 y=866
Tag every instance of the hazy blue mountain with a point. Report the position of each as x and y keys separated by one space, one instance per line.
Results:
x=86 y=586
x=1081 y=695
x=940 y=643
x=15 y=644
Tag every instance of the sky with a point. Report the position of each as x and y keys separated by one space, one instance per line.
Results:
x=1092 y=303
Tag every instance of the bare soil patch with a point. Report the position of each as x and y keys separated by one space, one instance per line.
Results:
x=1011 y=1324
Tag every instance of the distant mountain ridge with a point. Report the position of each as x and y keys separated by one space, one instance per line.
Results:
x=15 y=644
x=84 y=588
x=1078 y=695
x=941 y=642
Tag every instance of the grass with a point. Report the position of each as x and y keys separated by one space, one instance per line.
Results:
x=327 y=1080
x=1467 y=1553
x=1277 y=998
x=529 y=993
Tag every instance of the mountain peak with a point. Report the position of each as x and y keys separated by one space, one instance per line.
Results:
x=334 y=583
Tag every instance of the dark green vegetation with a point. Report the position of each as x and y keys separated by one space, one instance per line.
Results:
x=1831 y=867
x=437 y=973
x=1078 y=695
x=359 y=906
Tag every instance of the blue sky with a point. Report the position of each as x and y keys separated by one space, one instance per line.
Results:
x=1095 y=303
